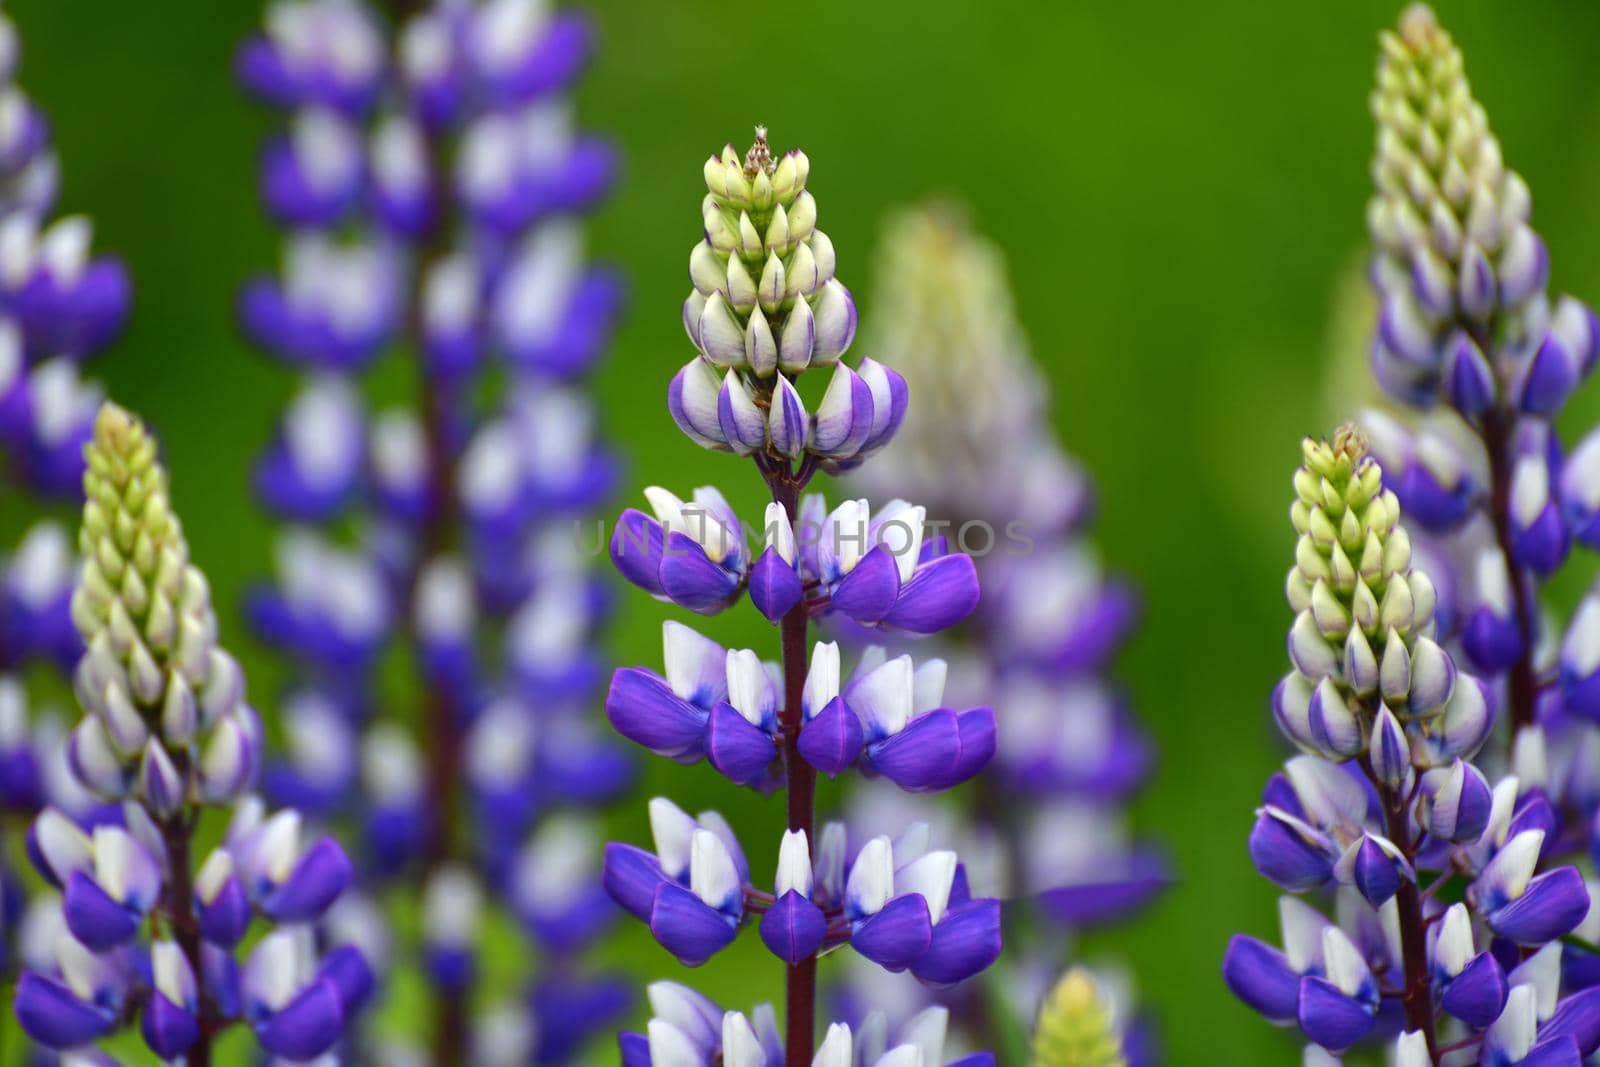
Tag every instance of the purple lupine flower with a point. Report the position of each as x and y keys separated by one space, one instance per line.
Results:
x=1385 y=804
x=430 y=182
x=143 y=935
x=766 y=308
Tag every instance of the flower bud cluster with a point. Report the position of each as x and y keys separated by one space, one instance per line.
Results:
x=1362 y=643
x=166 y=720
x=765 y=308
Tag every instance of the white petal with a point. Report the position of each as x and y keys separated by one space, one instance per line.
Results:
x=712 y=874
x=1346 y=967
x=871 y=881
x=835 y=1048
x=928 y=686
x=794 y=864
x=884 y=698
x=779 y=532
x=672 y=829
x=740 y=1047
x=822 y=678
x=931 y=877
x=750 y=689
x=696 y=666
x=670 y=1047
x=1302 y=927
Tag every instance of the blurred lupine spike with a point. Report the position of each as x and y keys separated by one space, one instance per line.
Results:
x=1074 y=1028
x=431 y=182
x=1042 y=643
x=60 y=305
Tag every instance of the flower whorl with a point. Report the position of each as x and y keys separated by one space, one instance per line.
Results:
x=1362 y=641
x=157 y=686
x=765 y=308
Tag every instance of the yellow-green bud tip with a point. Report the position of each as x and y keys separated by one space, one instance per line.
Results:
x=115 y=430
x=1418 y=27
x=1075 y=1028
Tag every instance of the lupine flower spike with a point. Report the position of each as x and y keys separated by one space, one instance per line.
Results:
x=1042 y=643
x=146 y=929
x=432 y=182
x=1470 y=336
x=1385 y=817
x=767 y=308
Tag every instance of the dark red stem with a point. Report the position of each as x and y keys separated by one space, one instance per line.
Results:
x=800 y=986
x=1498 y=430
x=1416 y=993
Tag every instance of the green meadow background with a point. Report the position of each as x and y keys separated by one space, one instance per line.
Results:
x=1178 y=186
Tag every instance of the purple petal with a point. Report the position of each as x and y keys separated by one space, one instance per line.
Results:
x=870 y=590
x=1550 y=378
x=1578 y=1017
x=314 y=884
x=53 y=1016
x=1477 y=995
x=1330 y=1018
x=94 y=917
x=1111 y=897
x=646 y=711
x=1376 y=873
x=793 y=928
x=736 y=747
x=1260 y=975
x=1553 y=904
x=631 y=875
x=225 y=920
x=977 y=729
x=168 y=1029
x=687 y=926
x=307 y=1026
x=919 y=759
x=637 y=546
x=831 y=741
x=1286 y=858
x=895 y=936
x=692 y=580
x=940 y=594
x=965 y=941
x=1559 y=1051
x=347 y=969
x=775 y=588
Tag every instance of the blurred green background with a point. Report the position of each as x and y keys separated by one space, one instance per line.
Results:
x=1178 y=187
